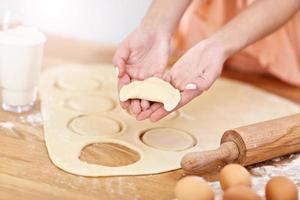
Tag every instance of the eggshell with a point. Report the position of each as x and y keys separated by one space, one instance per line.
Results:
x=234 y=174
x=281 y=188
x=240 y=192
x=193 y=188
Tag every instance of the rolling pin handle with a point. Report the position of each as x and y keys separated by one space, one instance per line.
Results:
x=200 y=162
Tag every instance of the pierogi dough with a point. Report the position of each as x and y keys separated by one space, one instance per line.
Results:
x=77 y=114
x=152 y=89
x=77 y=83
x=90 y=104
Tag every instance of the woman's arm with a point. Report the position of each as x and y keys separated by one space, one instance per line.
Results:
x=145 y=51
x=255 y=22
x=203 y=63
x=164 y=15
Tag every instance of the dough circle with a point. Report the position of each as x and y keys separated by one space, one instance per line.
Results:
x=168 y=139
x=90 y=104
x=78 y=83
x=92 y=125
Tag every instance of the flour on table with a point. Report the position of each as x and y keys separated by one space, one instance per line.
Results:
x=33 y=119
x=7 y=125
x=261 y=173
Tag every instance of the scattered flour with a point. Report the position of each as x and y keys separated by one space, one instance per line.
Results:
x=10 y=128
x=33 y=119
x=6 y=125
x=284 y=166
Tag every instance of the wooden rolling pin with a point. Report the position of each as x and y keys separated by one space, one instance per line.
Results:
x=248 y=145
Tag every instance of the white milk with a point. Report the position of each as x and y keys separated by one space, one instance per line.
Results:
x=21 y=53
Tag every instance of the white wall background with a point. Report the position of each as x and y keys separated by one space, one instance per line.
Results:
x=105 y=21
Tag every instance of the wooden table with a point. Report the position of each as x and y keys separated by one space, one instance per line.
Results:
x=27 y=173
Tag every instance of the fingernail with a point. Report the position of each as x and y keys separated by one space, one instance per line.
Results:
x=117 y=71
x=191 y=86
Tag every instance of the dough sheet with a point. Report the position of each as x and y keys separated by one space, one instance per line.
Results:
x=80 y=106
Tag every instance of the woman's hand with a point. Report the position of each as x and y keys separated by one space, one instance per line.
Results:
x=200 y=66
x=192 y=74
x=142 y=54
x=145 y=52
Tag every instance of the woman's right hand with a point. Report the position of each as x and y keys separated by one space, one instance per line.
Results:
x=144 y=53
x=192 y=74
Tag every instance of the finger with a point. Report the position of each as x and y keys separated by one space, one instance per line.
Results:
x=133 y=71
x=135 y=106
x=121 y=82
x=125 y=104
x=124 y=80
x=203 y=82
x=187 y=96
x=145 y=104
x=120 y=68
x=167 y=76
x=177 y=81
x=199 y=83
x=158 y=114
x=159 y=75
x=120 y=58
x=143 y=72
x=147 y=113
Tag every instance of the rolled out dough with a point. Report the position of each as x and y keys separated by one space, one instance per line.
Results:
x=152 y=89
x=77 y=83
x=90 y=104
x=198 y=126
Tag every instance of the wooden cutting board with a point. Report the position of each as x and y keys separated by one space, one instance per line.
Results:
x=27 y=173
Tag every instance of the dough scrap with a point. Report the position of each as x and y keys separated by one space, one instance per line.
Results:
x=152 y=89
x=205 y=118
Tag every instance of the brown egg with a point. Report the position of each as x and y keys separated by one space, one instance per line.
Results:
x=281 y=188
x=240 y=192
x=234 y=174
x=193 y=188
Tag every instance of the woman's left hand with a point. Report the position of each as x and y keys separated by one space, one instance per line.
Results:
x=192 y=74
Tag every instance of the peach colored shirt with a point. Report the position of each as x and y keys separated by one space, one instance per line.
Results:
x=277 y=54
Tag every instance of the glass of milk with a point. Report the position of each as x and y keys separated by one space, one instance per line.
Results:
x=21 y=53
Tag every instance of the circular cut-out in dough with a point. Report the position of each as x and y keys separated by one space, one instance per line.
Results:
x=168 y=139
x=77 y=83
x=109 y=154
x=90 y=104
x=93 y=125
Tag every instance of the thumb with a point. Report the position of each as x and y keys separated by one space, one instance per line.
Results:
x=121 y=82
x=120 y=58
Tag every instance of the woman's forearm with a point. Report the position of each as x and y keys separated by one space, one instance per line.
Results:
x=164 y=15
x=255 y=22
